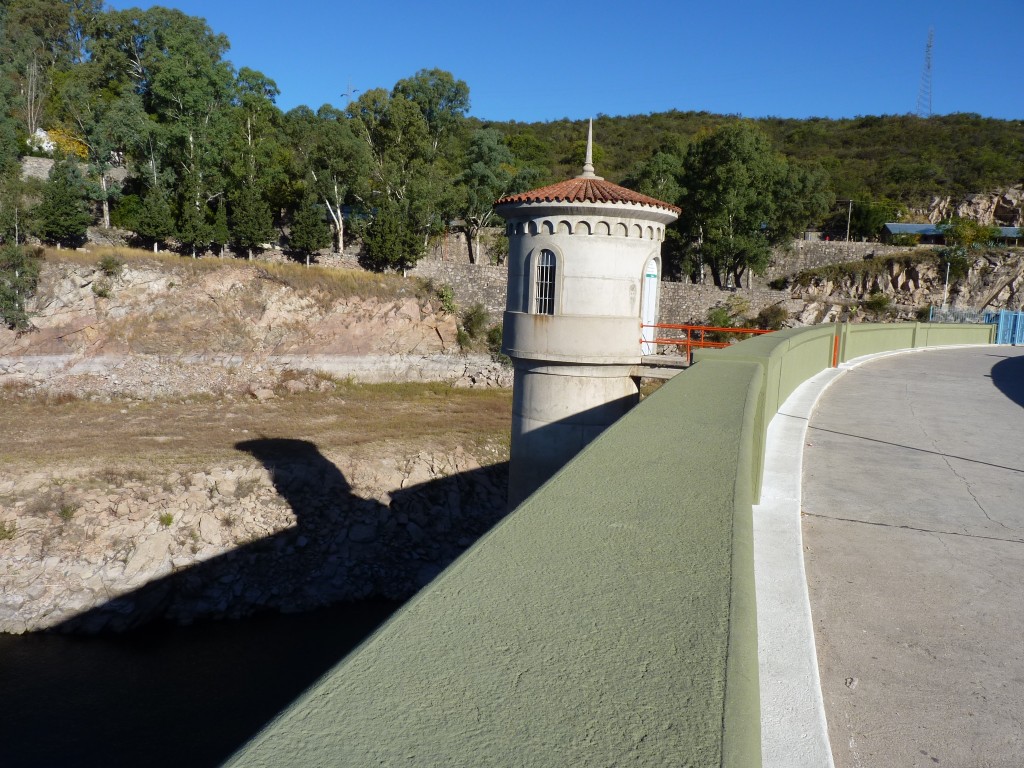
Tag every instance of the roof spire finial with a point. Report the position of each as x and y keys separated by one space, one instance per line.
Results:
x=588 y=163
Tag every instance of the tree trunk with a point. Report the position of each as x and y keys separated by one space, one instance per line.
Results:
x=105 y=203
x=716 y=275
x=339 y=238
x=472 y=243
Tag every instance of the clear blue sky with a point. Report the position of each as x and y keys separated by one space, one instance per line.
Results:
x=534 y=61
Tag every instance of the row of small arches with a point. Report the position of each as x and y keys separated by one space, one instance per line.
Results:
x=563 y=227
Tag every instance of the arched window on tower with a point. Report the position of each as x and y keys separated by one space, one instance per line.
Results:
x=544 y=283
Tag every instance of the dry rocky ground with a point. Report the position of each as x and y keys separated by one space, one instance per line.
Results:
x=118 y=512
x=187 y=440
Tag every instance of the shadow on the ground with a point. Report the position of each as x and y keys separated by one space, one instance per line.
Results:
x=1008 y=376
x=161 y=694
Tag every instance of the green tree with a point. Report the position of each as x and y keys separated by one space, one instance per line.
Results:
x=411 y=137
x=193 y=230
x=106 y=119
x=251 y=222
x=309 y=230
x=866 y=218
x=967 y=233
x=658 y=176
x=220 y=235
x=740 y=198
x=62 y=216
x=390 y=240
x=19 y=274
x=12 y=208
x=441 y=99
x=491 y=172
x=174 y=65
x=39 y=40
x=155 y=221
x=326 y=148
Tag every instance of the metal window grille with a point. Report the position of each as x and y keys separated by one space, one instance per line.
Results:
x=546 y=283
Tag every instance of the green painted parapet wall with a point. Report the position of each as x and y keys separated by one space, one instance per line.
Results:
x=611 y=618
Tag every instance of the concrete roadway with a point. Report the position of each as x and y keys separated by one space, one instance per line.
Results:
x=913 y=524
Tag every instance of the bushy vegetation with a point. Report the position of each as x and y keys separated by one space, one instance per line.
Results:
x=877 y=303
x=855 y=270
x=111 y=266
x=772 y=318
x=19 y=274
x=476 y=332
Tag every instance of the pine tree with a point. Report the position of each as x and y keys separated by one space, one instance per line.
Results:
x=309 y=231
x=390 y=241
x=155 y=220
x=252 y=224
x=219 y=234
x=193 y=230
x=62 y=216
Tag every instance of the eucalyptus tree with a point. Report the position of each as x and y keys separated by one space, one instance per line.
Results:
x=39 y=39
x=442 y=100
x=174 y=64
x=740 y=198
x=325 y=148
x=491 y=172
x=411 y=137
x=254 y=158
x=19 y=275
x=107 y=119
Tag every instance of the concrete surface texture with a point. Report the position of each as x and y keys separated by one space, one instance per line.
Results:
x=913 y=503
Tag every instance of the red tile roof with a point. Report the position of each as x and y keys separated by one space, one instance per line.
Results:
x=585 y=189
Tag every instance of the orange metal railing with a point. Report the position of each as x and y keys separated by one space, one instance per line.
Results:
x=695 y=336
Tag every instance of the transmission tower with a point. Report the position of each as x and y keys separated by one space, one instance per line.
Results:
x=924 y=95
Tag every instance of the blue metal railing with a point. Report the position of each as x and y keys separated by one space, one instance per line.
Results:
x=1011 y=328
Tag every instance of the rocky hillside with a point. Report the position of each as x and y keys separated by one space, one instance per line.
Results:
x=1004 y=208
x=902 y=287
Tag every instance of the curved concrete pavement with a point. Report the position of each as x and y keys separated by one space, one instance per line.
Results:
x=913 y=524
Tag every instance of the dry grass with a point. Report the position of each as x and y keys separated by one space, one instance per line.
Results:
x=333 y=284
x=141 y=439
x=326 y=283
x=135 y=256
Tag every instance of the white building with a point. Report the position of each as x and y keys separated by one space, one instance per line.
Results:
x=583 y=274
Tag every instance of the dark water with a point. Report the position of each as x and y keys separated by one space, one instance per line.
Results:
x=165 y=695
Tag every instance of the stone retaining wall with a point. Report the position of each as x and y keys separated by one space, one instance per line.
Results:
x=807 y=254
x=680 y=302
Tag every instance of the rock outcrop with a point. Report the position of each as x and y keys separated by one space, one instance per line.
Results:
x=1004 y=208
x=907 y=284
x=157 y=330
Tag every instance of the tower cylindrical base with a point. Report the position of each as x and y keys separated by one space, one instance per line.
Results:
x=556 y=411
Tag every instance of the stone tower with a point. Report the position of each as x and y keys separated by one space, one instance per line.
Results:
x=583 y=269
